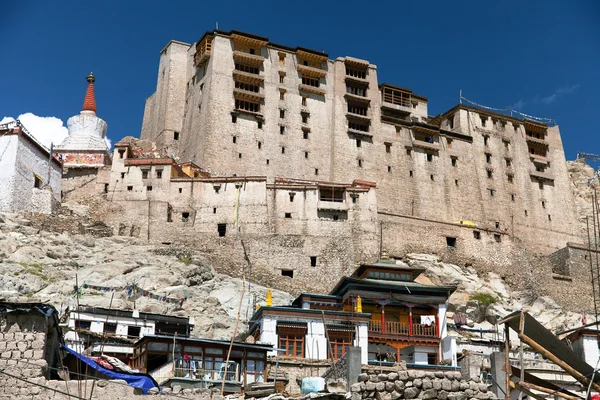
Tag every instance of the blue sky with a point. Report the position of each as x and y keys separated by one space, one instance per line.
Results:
x=542 y=57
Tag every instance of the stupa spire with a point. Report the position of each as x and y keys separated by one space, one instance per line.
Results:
x=89 y=102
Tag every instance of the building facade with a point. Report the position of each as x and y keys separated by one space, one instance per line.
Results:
x=96 y=330
x=29 y=177
x=236 y=103
x=379 y=308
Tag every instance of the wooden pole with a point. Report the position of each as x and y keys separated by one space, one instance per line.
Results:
x=507 y=367
x=329 y=344
x=580 y=377
x=235 y=328
x=527 y=392
x=546 y=390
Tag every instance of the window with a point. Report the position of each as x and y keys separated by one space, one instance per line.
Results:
x=488 y=158
x=456 y=182
x=497 y=237
x=362 y=74
x=543 y=204
x=339 y=343
x=106 y=188
x=281 y=129
x=509 y=178
x=281 y=77
x=549 y=217
x=287 y=272
x=525 y=212
x=293 y=343
x=281 y=113
x=429 y=157
x=485 y=140
x=354 y=199
x=145 y=174
x=281 y=94
x=159 y=173
x=133 y=331
x=79 y=324
x=306 y=154
x=491 y=192
x=489 y=174
x=129 y=188
x=360 y=163
x=332 y=193
x=148 y=188
x=508 y=162
x=451 y=123
x=505 y=144
x=122 y=175
x=408 y=152
x=233 y=118
x=310 y=81
x=431 y=177
x=247 y=106
x=358 y=109
x=175 y=135
x=357 y=126
x=214 y=210
x=477 y=235
x=449 y=142
x=305 y=134
x=110 y=328
x=267 y=162
x=234 y=139
x=282 y=149
x=239 y=155
x=304 y=118
x=292 y=195
x=185 y=216
x=247 y=68
x=316 y=171
x=222 y=229
x=410 y=174
x=450 y=241
x=247 y=86
x=121 y=153
x=288 y=215
x=512 y=197
x=313 y=261
x=357 y=91
x=358 y=142
x=180 y=190
x=389 y=168
x=259 y=124
x=251 y=51
x=453 y=161
x=37 y=182
x=497 y=225
x=281 y=58
x=483 y=120
x=388 y=147
x=304 y=101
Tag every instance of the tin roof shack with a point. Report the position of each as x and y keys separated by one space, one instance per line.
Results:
x=30 y=338
x=200 y=363
x=379 y=308
x=96 y=330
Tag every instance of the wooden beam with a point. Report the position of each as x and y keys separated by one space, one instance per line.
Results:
x=578 y=375
x=546 y=390
x=507 y=367
x=513 y=385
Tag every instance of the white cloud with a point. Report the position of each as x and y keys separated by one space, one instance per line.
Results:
x=559 y=93
x=46 y=130
x=518 y=105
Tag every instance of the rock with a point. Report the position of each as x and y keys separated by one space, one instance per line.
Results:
x=399 y=386
x=449 y=374
x=383 y=396
x=363 y=377
x=429 y=394
x=411 y=393
x=427 y=384
x=380 y=386
x=463 y=385
x=389 y=386
x=446 y=384
x=439 y=374
x=419 y=374
x=417 y=383
x=356 y=396
x=470 y=393
x=373 y=378
x=437 y=384
x=336 y=385
x=442 y=395
x=176 y=389
x=370 y=386
x=392 y=376
x=412 y=374
x=429 y=374
x=455 y=386
x=382 y=377
x=102 y=383
x=395 y=395
x=474 y=386
x=356 y=387
x=483 y=387
x=403 y=375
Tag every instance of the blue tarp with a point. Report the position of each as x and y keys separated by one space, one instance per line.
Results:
x=142 y=381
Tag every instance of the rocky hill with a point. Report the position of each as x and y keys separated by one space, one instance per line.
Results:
x=45 y=257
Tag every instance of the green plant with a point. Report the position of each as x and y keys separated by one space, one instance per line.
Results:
x=187 y=260
x=483 y=298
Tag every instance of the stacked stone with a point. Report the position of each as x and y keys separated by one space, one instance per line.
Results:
x=415 y=384
x=21 y=355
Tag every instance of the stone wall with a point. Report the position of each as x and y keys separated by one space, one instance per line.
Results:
x=293 y=370
x=414 y=384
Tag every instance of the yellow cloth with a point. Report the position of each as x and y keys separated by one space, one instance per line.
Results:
x=358 y=304
x=269 y=301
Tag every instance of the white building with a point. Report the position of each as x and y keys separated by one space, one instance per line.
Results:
x=30 y=180
x=96 y=330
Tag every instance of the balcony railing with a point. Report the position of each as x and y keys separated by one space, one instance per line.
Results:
x=402 y=329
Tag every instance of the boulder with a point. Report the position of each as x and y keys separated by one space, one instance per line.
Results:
x=411 y=393
x=380 y=386
x=417 y=383
x=363 y=377
x=429 y=394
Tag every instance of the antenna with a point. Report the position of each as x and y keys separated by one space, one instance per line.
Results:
x=217 y=24
x=460 y=97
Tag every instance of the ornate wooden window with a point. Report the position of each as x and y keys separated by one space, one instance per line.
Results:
x=310 y=81
x=291 y=338
x=339 y=342
x=246 y=106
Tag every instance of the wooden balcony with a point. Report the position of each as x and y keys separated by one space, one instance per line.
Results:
x=534 y=140
x=247 y=58
x=312 y=71
x=402 y=329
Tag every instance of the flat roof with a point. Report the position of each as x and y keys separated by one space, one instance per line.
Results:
x=129 y=314
x=255 y=346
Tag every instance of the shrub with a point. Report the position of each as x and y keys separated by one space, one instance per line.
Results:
x=483 y=298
